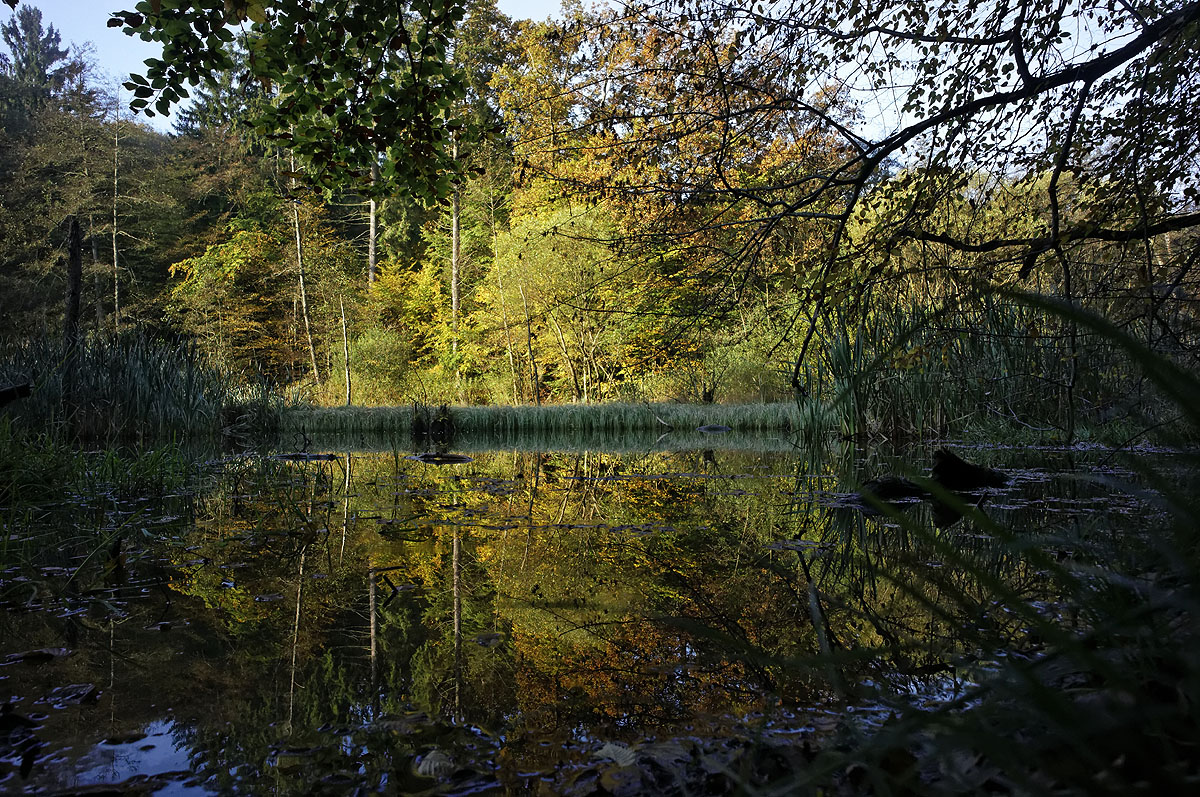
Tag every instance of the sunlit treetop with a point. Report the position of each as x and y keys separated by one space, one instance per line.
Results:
x=353 y=83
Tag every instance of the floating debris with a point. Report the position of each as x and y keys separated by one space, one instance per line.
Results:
x=39 y=656
x=955 y=473
x=434 y=458
x=436 y=764
x=892 y=488
x=72 y=695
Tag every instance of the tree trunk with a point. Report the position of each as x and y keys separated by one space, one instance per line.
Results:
x=533 y=370
x=115 y=264
x=454 y=269
x=312 y=351
x=508 y=343
x=99 y=283
x=566 y=352
x=371 y=235
x=345 y=348
x=456 y=566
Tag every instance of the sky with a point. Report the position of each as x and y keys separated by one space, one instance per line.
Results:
x=116 y=55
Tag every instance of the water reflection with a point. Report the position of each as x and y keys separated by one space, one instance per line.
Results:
x=589 y=619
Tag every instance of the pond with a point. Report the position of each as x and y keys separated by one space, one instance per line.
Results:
x=575 y=621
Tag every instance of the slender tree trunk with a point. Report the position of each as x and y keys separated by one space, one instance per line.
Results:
x=371 y=589
x=508 y=343
x=533 y=369
x=454 y=267
x=115 y=263
x=295 y=641
x=562 y=344
x=312 y=351
x=456 y=565
x=345 y=348
x=371 y=235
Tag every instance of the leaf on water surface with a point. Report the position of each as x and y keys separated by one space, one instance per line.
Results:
x=39 y=656
x=622 y=781
x=435 y=764
x=292 y=757
x=126 y=738
x=668 y=754
x=617 y=752
x=71 y=695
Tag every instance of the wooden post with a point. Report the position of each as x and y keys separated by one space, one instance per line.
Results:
x=74 y=287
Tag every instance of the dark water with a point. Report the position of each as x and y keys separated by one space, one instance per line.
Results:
x=525 y=622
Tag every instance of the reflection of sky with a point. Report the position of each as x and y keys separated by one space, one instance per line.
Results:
x=156 y=754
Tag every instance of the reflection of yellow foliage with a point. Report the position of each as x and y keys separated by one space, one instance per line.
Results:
x=235 y=602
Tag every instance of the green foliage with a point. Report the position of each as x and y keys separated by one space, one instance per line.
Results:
x=232 y=299
x=384 y=84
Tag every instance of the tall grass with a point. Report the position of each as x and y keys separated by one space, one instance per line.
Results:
x=585 y=419
x=989 y=366
x=127 y=387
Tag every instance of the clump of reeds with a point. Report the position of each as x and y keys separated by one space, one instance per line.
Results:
x=112 y=388
x=990 y=366
x=511 y=421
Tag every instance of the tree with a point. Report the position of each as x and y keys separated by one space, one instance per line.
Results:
x=683 y=104
x=352 y=81
x=37 y=59
x=35 y=68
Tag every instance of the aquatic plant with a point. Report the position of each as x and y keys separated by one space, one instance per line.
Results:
x=511 y=421
x=116 y=387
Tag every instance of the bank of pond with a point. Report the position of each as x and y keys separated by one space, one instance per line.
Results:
x=723 y=613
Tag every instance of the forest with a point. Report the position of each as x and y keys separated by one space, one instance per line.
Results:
x=635 y=205
x=495 y=405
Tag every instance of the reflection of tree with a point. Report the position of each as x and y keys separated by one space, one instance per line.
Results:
x=539 y=594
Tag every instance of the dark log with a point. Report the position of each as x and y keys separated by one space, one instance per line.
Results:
x=955 y=473
x=14 y=392
x=893 y=488
x=74 y=286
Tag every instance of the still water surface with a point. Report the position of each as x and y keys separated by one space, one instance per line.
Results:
x=583 y=622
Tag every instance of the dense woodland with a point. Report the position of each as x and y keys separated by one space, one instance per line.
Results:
x=694 y=201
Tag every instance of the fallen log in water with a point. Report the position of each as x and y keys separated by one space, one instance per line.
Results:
x=14 y=392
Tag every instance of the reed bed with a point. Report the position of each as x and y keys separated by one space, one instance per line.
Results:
x=127 y=387
x=586 y=419
x=995 y=367
x=538 y=441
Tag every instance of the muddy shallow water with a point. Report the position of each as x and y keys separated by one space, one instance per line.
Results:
x=529 y=622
